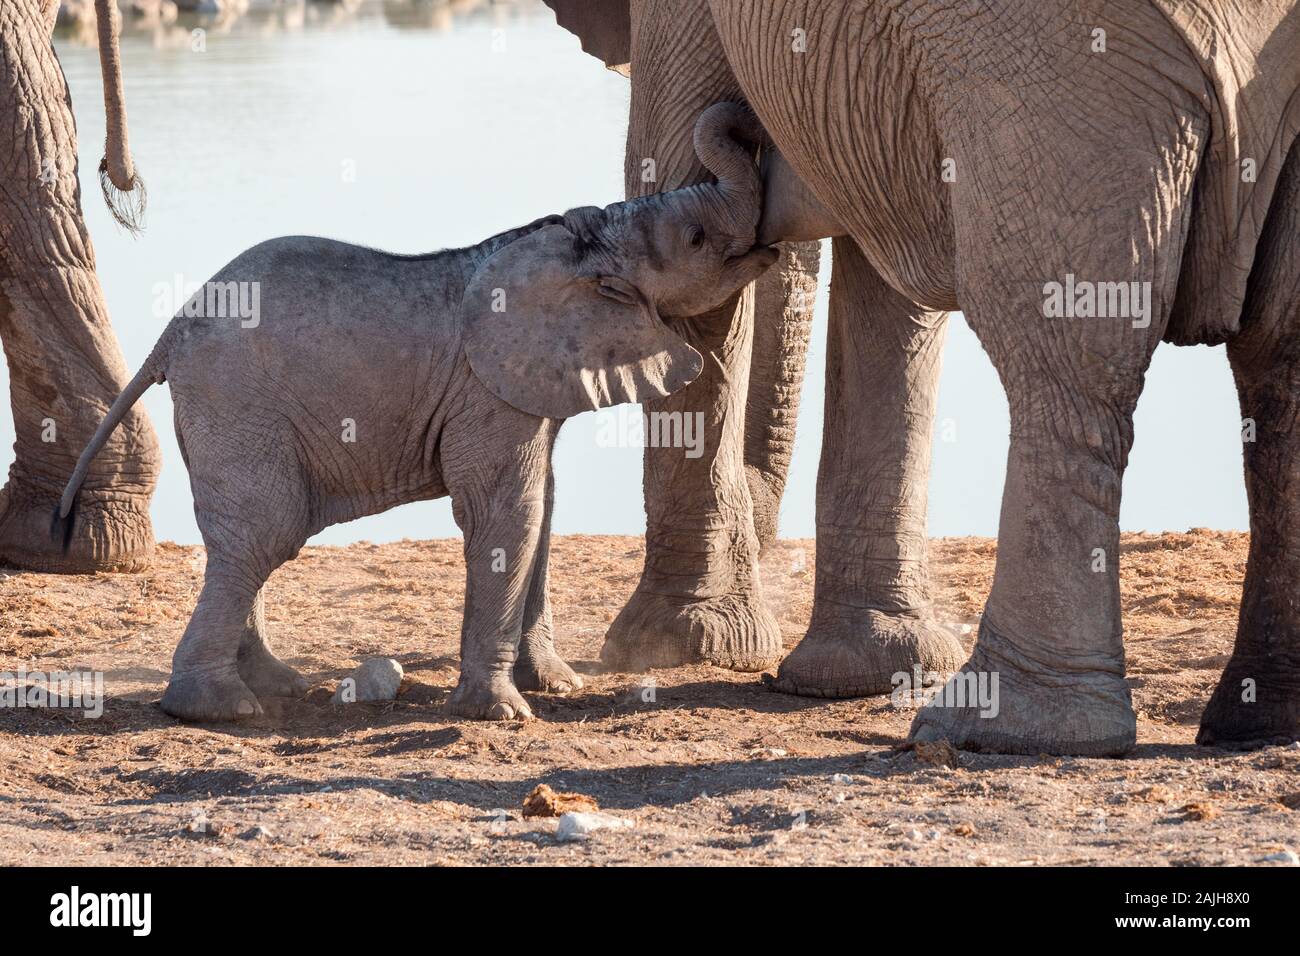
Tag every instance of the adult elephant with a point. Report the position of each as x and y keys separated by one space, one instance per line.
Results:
x=1136 y=159
x=65 y=367
x=699 y=597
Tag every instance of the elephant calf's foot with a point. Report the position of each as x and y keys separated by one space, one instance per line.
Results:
x=266 y=675
x=495 y=698
x=993 y=706
x=655 y=630
x=1253 y=706
x=541 y=669
x=105 y=535
x=209 y=696
x=855 y=652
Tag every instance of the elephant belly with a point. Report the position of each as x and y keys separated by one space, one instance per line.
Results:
x=1254 y=129
x=343 y=444
x=851 y=128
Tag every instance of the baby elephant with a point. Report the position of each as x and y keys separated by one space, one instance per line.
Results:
x=366 y=380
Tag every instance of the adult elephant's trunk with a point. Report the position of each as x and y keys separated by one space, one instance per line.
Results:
x=783 y=310
x=783 y=313
x=718 y=135
x=123 y=191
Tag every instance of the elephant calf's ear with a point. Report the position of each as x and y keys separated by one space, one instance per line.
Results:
x=553 y=342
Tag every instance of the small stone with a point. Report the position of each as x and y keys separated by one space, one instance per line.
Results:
x=258 y=832
x=1288 y=857
x=579 y=826
x=915 y=834
x=375 y=680
x=841 y=778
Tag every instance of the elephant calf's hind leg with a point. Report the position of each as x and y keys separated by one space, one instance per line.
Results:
x=206 y=684
x=264 y=673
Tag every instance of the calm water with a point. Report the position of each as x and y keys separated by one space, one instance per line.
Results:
x=399 y=127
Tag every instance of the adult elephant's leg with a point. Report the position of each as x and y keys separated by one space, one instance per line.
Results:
x=783 y=311
x=699 y=597
x=1258 y=697
x=65 y=367
x=871 y=614
x=1047 y=671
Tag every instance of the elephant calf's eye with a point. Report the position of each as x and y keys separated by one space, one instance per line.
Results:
x=695 y=237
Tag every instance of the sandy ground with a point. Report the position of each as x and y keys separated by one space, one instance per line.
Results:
x=714 y=769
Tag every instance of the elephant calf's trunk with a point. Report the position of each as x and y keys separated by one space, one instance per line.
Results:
x=123 y=191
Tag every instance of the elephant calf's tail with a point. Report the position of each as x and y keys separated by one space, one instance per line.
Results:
x=149 y=375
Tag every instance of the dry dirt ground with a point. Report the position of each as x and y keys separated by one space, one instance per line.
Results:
x=714 y=769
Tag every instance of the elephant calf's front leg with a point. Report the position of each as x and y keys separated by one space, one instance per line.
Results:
x=538 y=666
x=503 y=526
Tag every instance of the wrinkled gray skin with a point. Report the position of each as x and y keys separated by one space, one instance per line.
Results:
x=1169 y=159
x=450 y=373
x=699 y=598
x=65 y=366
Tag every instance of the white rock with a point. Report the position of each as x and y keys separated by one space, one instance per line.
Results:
x=1288 y=857
x=376 y=679
x=579 y=826
x=841 y=778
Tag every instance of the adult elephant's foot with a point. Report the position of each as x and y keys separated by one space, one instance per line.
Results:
x=998 y=703
x=209 y=695
x=493 y=698
x=266 y=675
x=541 y=669
x=1255 y=704
x=109 y=531
x=856 y=652
x=658 y=630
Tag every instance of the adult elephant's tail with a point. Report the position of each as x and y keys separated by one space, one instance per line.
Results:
x=124 y=191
